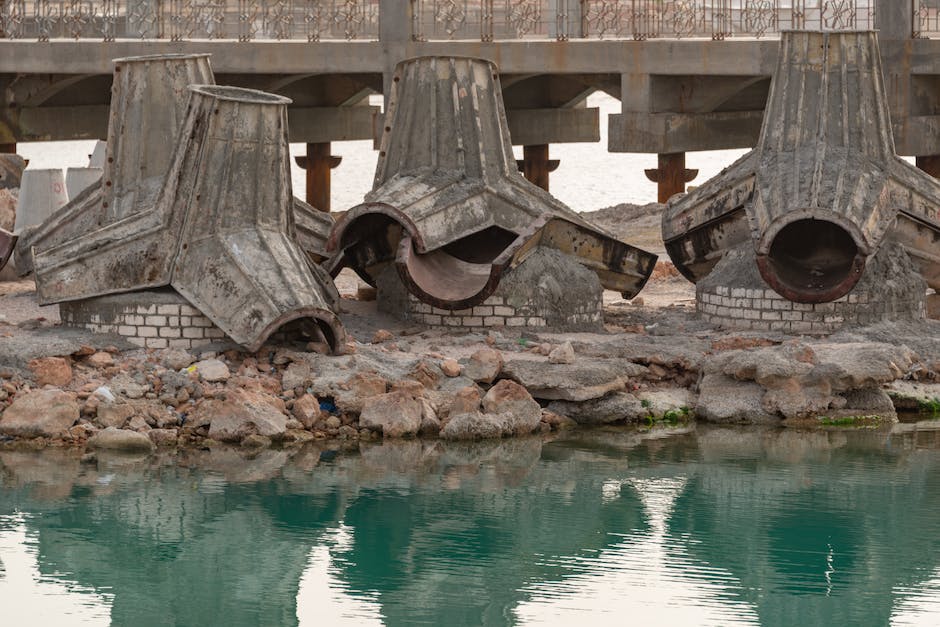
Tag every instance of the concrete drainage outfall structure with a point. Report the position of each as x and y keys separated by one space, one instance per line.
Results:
x=824 y=186
x=449 y=207
x=148 y=107
x=221 y=231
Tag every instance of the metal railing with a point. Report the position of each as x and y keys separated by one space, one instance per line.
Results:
x=179 y=20
x=635 y=19
x=481 y=20
x=926 y=19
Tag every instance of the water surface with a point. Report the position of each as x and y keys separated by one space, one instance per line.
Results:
x=697 y=527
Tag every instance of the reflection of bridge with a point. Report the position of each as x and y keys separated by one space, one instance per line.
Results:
x=691 y=74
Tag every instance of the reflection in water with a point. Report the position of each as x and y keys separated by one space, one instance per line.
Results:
x=714 y=526
x=32 y=598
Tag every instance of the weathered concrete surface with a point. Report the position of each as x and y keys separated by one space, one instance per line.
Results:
x=449 y=207
x=221 y=232
x=823 y=187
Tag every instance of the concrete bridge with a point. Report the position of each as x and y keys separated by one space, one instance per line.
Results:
x=691 y=74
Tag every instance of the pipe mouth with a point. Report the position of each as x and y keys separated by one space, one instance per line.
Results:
x=173 y=56
x=7 y=245
x=239 y=94
x=812 y=260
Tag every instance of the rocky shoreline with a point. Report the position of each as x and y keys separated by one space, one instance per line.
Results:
x=654 y=363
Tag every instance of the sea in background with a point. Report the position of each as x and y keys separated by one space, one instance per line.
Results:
x=588 y=177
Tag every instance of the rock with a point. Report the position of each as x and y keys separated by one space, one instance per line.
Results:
x=381 y=336
x=177 y=358
x=933 y=306
x=212 y=370
x=665 y=402
x=396 y=414
x=44 y=413
x=114 y=414
x=616 y=407
x=563 y=354
x=8 y=200
x=123 y=384
x=430 y=424
x=473 y=426
x=306 y=409
x=415 y=388
x=256 y=440
x=557 y=421
x=913 y=397
x=51 y=371
x=298 y=436
x=466 y=401
x=484 y=365
x=163 y=437
x=572 y=382
x=511 y=400
x=241 y=415
x=138 y=423
x=722 y=399
x=100 y=359
x=333 y=422
x=451 y=368
x=121 y=440
x=358 y=388
x=427 y=373
x=297 y=375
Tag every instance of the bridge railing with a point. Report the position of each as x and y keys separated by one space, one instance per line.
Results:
x=482 y=20
x=926 y=19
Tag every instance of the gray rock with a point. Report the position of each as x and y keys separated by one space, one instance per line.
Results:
x=246 y=414
x=212 y=370
x=658 y=402
x=396 y=414
x=563 y=354
x=484 y=365
x=114 y=414
x=124 y=385
x=616 y=407
x=177 y=358
x=722 y=399
x=474 y=426
x=163 y=437
x=513 y=403
x=572 y=382
x=47 y=413
x=121 y=440
x=912 y=396
x=297 y=375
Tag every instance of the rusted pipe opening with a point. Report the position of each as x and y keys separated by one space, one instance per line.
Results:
x=444 y=280
x=481 y=247
x=812 y=261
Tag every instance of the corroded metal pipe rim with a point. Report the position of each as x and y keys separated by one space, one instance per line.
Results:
x=172 y=56
x=239 y=94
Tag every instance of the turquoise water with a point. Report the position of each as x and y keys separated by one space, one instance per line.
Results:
x=697 y=527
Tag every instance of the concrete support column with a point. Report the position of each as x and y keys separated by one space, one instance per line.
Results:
x=318 y=164
x=930 y=164
x=535 y=164
x=671 y=175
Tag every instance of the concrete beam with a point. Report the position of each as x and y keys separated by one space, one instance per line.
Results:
x=326 y=124
x=529 y=127
x=307 y=124
x=682 y=132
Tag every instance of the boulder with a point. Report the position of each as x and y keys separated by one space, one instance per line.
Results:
x=396 y=414
x=241 y=415
x=121 y=440
x=212 y=370
x=51 y=371
x=512 y=401
x=451 y=368
x=306 y=409
x=722 y=399
x=114 y=414
x=616 y=407
x=177 y=358
x=474 y=426
x=297 y=375
x=358 y=388
x=101 y=359
x=911 y=396
x=466 y=400
x=572 y=382
x=484 y=365
x=661 y=402
x=44 y=413
x=163 y=437
x=563 y=354
x=124 y=385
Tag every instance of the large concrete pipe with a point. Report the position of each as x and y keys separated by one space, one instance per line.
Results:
x=11 y=173
x=449 y=207
x=823 y=187
x=78 y=180
x=42 y=193
x=221 y=233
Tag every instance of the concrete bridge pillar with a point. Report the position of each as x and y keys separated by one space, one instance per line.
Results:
x=318 y=164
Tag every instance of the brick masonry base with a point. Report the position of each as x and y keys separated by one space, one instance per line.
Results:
x=734 y=296
x=500 y=311
x=150 y=319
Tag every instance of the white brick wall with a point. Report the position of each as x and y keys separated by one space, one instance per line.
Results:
x=494 y=312
x=150 y=326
